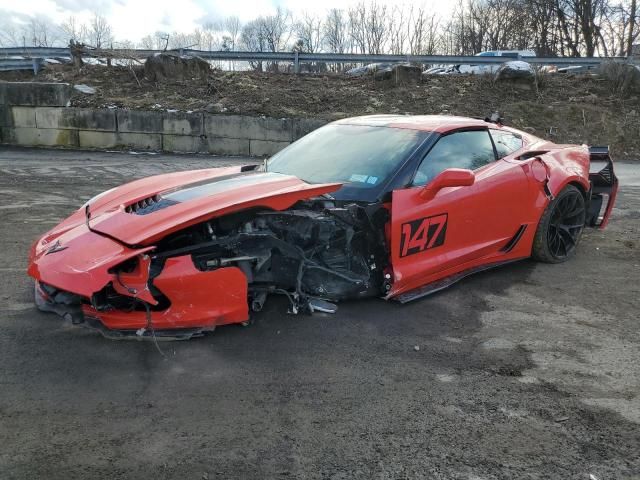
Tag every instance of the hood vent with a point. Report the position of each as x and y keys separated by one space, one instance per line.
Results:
x=149 y=205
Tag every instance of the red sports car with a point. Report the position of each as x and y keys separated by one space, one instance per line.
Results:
x=386 y=206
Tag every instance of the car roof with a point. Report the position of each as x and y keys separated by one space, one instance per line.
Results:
x=427 y=123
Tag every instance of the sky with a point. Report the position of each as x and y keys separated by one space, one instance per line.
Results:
x=134 y=19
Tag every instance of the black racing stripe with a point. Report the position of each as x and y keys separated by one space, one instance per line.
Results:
x=217 y=185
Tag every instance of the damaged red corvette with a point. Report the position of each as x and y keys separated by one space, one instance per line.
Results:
x=381 y=206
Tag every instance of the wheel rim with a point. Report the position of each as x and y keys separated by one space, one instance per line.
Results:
x=566 y=225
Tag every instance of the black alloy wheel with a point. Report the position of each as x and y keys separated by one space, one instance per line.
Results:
x=560 y=227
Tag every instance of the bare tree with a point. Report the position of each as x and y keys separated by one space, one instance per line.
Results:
x=10 y=35
x=148 y=42
x=397 y=30
x=309 y=32
x=630 y=24
x=40 y=32
x=100 y=35
x=252 y=39
x=233 y=28
x=550 y=27
x=543 y=19
x=208 y=36
x=368 y=27
x=276 y=29
x=586 y=16
x=179 y=40
x=430 y=37
x=74 y=31
x=358 y=27
x=336 y=34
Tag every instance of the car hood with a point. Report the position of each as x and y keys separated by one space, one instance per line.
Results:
x=141 y=212
x=77 y=255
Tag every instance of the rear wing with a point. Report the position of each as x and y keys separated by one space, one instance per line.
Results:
x=604 y=187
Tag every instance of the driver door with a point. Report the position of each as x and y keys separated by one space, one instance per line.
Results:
x=432 y=239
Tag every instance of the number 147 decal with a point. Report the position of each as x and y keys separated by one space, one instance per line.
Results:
x=421 y=234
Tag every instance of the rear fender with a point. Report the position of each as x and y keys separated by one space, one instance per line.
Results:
x=561 y=168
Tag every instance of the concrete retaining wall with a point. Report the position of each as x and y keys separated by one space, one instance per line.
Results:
x=35 y=114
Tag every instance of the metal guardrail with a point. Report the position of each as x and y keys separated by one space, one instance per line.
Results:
x=41 y=52
x=294 y=57
x=382 y=58
x=11 y=64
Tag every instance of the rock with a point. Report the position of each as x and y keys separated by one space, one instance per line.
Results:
x=417 y=348
x=370 y=69
x=399 y=74
x=169 y=66
x=516 y=70
x=215 y=108
x=85 y=89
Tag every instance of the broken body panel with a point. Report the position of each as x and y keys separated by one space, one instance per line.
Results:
x=84 y=255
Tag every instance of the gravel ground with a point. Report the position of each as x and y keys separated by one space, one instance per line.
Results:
x=529 y=371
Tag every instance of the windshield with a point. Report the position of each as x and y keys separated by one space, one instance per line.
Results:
x=362 y=156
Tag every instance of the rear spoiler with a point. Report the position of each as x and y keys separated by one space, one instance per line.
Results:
x=604 y=187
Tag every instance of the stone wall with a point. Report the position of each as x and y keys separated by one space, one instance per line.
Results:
x=36 y=114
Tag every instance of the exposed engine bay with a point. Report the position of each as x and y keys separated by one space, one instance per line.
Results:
x=315 y=253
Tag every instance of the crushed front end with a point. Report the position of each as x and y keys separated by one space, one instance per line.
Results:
x=93 y=280
x=214 y=272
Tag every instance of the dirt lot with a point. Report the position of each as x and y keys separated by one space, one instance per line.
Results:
x=527 y=372
x=569 y=109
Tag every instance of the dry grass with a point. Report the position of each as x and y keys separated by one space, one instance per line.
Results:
x=540 y=79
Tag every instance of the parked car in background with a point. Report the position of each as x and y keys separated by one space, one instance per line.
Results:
x=487 y=68
x=434 y=71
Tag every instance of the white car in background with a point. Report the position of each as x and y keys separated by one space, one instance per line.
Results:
x=489 y=67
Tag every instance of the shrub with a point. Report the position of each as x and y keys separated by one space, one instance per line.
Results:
x=623 y=78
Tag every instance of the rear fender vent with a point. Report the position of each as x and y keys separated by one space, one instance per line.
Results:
x=514 y=240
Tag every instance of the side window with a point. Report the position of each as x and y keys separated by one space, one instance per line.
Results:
x=470 y=150
x=506 y=142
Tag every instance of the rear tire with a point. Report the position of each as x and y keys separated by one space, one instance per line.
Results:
x=560 y=227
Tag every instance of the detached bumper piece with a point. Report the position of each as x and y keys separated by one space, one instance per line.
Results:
x=145 y=333
x=65 y=304
x=604 y=187
x=69 y=307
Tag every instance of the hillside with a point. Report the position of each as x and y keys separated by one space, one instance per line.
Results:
x=565 y=109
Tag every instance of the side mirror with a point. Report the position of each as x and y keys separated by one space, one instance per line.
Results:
x=452 y=177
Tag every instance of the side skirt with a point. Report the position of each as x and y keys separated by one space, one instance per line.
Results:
x=441 y=284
